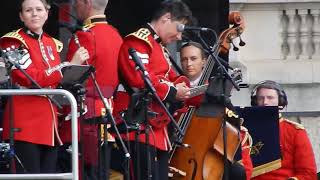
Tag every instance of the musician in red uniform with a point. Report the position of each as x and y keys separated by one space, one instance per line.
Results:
x=193 y=59
x=297 y=157
x=35 y=117
x=149 y=44
x=103 y=42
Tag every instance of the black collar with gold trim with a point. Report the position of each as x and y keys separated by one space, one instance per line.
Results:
x=31 y=33
x=95 y=19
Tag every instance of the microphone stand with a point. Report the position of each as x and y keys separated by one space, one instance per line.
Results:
x=11 y=123
x=107 y=107
x=10 y=62
x=150 y=89
x=137 y=114
x=222 y=98
x=109 y=117
x=176 y=66
x=222 y=64
x=105 y=104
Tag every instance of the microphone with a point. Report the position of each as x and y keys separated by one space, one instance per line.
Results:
x=182 y=27
x=137 y=60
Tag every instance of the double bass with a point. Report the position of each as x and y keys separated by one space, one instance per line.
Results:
x=204 y=158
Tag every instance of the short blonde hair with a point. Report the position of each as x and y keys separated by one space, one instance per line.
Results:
x=99 y=4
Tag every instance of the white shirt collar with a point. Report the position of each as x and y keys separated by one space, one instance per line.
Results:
x=196 y=81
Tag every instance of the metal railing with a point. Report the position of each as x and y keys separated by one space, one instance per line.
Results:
x=74 y=127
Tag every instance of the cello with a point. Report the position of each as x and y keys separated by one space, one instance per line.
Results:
x=204 y=158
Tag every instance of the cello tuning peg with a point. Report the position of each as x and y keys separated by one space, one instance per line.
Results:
x=235 y=48
x=241 y=43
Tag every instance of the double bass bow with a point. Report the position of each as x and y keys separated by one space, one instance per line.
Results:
x=204 y=158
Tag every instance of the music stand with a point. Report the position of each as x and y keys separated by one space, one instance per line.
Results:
x=73 y=79
x=75 y=74
x=137 y=116
x=70 y=80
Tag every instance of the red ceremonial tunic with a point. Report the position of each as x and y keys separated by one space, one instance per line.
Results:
x=156 y=61
x=246 y=143
x=34 y=116
x=103 y=44
x=297 y=155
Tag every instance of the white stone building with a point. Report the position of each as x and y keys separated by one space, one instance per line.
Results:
x=283 y=44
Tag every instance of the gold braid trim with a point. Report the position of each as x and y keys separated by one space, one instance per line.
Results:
x=90 y=25
x=265 y=168
x=142 y=34
x=59 y=44
x=88 y=21
x=16 y=35
x=295 y=124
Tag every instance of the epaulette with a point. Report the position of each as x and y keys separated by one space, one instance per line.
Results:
x=142 y=34
x=296 y=125
x=16 y=35
x=59 y=44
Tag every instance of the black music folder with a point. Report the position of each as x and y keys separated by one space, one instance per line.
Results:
x=75 y=74
x=263 y=126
